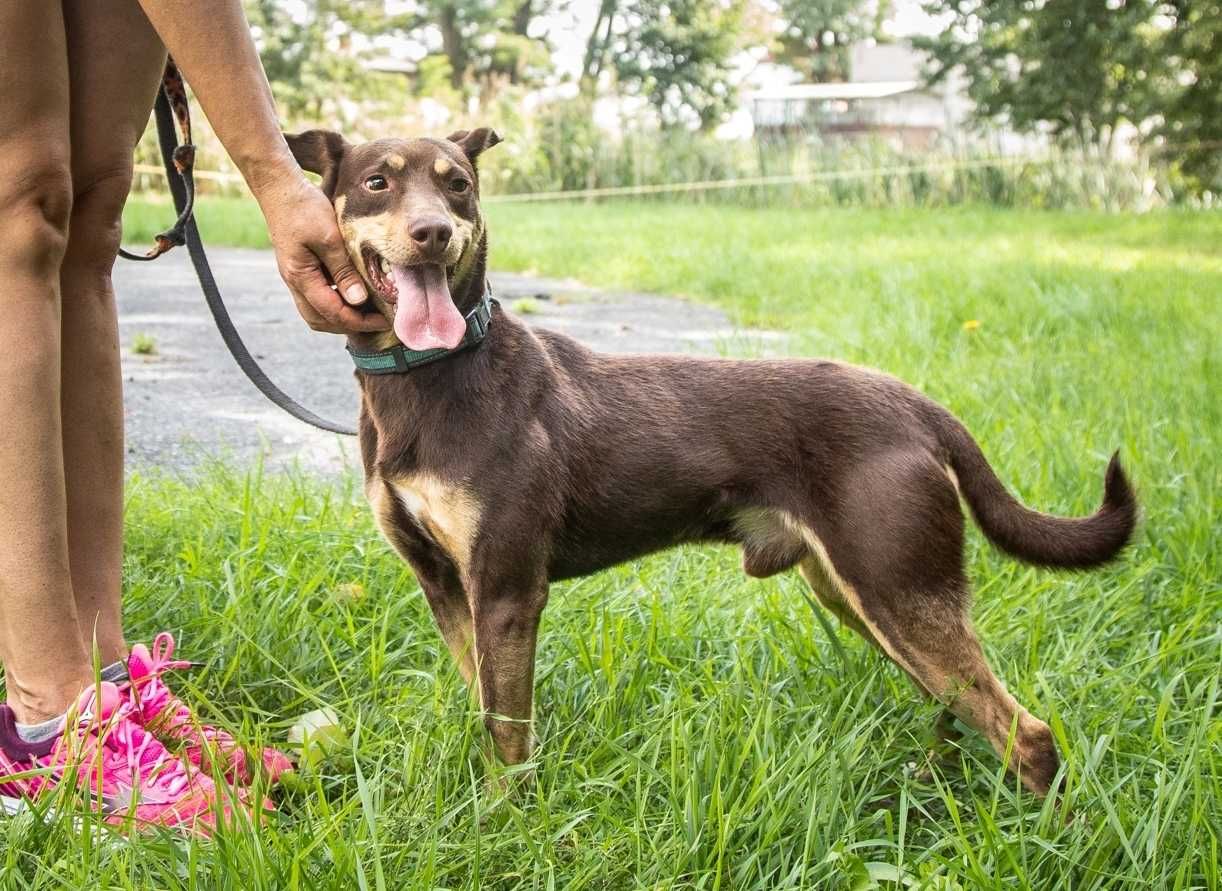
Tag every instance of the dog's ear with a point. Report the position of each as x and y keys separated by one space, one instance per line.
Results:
x=318 y=151
x=474 y=142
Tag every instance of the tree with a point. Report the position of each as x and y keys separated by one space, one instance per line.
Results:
x=816 y=35
x=482 y=41
x=307 y=50
x=676 y=53
x=598 y=45
x=1077 y=68
x=1193 y=118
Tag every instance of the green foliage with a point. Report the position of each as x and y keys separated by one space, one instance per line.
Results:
x=307 y=51
x=483 y=43
x=1193 y=118
x=1075 y=67
x=676 y=54
x=144 y=344
x=1079 y=68
x=816 y=35
x=562 y=150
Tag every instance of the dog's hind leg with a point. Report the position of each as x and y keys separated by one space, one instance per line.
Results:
x=826 y=591
x=904 y=585
x=946 y=656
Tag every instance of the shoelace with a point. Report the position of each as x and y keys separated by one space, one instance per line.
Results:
x=127 y=751
x=141 y=754
x=153 y=697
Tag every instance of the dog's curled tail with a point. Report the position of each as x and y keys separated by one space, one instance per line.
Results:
x=1043 y=539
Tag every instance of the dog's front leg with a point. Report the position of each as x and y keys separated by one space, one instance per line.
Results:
x=506 y=628
x=453 y=616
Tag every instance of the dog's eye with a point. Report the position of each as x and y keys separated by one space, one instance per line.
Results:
x=459 y=185
x=377 y=183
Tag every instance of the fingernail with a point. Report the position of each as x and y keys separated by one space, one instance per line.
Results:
x=355 y=295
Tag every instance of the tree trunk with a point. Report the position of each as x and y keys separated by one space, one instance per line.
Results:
x=453 y=46
x=523 y=15
x=596 y=45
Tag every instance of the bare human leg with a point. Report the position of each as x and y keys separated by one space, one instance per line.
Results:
x=115 y=60
x=45 y=661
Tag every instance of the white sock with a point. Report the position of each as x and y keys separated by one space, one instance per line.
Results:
x=42 y=731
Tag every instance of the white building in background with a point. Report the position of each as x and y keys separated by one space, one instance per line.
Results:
x=899 y=112
x=885 y=98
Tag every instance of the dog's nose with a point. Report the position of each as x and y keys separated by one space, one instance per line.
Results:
x=432 y=236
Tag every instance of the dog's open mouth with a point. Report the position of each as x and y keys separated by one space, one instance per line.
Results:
x=425 y=316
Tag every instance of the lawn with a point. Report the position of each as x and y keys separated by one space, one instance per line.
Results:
x=700 y=729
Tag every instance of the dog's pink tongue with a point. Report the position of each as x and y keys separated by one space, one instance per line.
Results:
x=425 y=316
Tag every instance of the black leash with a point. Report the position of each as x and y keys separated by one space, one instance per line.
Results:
x=179 y=162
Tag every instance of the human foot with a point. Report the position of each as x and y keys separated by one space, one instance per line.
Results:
x=126 y=773
x=208 y=747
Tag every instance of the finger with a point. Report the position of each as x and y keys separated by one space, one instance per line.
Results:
x=307 y=312
x=320 y=296
x=337 y=314
x=342 y=271
x=354 y=320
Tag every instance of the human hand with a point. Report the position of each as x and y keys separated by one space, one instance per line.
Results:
x=304 y=233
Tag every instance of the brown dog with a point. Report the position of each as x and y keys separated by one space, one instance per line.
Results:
x=524 y=458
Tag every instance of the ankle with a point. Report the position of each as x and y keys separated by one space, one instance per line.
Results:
x=105 y=642
x=35 y=703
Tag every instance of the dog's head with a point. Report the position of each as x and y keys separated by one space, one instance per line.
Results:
x=409 y=213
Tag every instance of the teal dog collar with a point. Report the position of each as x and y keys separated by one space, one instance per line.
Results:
x=400 y=360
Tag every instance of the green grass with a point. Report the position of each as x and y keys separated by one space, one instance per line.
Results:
x=703 y=730
x=230 y=221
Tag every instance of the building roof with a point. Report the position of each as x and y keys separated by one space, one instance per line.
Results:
x=814 y=92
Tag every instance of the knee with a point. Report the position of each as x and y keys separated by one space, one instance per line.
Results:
x=510 y=615
x=35 y=210
x=97 y=219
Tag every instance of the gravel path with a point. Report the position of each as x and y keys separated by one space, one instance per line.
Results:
x=188 y=402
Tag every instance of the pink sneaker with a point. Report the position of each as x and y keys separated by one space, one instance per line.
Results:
x=124 y=770
x=164 y=714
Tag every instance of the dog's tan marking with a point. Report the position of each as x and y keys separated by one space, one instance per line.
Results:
x=954 y=479
x=376 y=495
x=467 y=234
x=446 y=511
x=834 y=592
x=455 y=622
x=396 y=161
x=340 y=203
x=386 y=233
x=758 y=524
x=442 y=166
x=769 y=545
x=766 y=531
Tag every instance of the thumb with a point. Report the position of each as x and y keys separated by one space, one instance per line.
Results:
x=339 y=264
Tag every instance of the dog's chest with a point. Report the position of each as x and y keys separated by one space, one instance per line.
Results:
x=445 y=512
